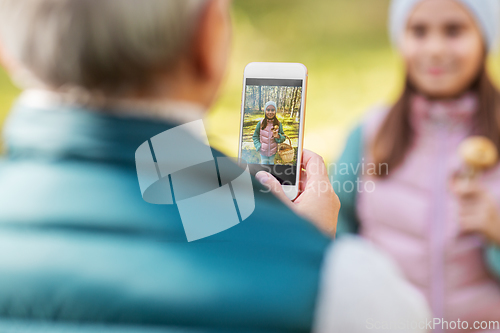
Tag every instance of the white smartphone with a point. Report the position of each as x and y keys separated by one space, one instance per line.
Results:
x=272 y=121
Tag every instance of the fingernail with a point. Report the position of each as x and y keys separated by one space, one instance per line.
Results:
x=262 y=177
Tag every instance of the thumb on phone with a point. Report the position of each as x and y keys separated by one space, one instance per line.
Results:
x=268 y=180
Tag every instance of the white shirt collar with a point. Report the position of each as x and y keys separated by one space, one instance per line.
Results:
x=170 y=110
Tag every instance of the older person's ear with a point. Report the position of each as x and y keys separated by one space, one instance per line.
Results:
x=7 y=62
x=212 y=40
x=3 y=59
x=16 y=71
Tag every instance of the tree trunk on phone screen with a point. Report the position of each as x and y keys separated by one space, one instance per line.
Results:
x=289 y=99
x=283 y=100
x=260 y=98
x=292 y=107
x=297 y=104
x=280 y=105
x=255 y=99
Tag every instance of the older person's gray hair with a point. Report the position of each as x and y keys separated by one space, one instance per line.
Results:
x=104 y=46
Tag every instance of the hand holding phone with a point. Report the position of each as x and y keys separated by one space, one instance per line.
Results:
x=317 y=200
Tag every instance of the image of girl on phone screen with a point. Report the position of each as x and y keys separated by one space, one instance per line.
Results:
x=442 y=231
x=268 y=133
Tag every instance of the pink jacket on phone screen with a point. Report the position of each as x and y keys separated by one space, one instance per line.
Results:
x=269 y=145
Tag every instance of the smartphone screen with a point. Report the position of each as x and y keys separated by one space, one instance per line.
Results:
x=271 y=125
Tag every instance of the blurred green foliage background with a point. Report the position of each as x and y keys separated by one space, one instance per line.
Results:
x=344 y=44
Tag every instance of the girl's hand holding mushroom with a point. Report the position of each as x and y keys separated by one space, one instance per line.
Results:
x=478 y=211
x=275 y=132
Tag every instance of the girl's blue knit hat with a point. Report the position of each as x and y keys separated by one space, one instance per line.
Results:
x=485 y=12
x=271 y=103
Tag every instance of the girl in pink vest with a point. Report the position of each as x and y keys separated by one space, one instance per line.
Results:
x=396 y=179
x=268 y=133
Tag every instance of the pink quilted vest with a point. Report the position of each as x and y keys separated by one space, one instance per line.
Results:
x=269 y=147
x=412 y=215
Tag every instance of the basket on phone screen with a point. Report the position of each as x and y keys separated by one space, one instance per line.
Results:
x=286 y=151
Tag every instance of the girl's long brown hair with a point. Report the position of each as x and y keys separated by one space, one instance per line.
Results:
x=264 y=122
x=395 y=136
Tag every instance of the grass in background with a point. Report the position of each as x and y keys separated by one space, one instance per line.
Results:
x=8 y=93
x=343 y=43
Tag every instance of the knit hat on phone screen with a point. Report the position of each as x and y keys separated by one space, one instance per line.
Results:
x=271 y=103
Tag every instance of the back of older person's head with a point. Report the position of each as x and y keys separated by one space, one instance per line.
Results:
x=117 y=48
